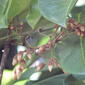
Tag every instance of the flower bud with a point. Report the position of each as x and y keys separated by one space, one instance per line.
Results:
x=50 y=67
x=15 y=61
x=40 y=67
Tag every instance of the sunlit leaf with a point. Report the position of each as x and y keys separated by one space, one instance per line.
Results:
x=34 y=14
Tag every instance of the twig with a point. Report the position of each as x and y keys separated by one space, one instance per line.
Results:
x=15 y=35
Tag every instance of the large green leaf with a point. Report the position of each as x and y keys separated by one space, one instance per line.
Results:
x=56 y=10
x=34 y=14
x=3 y=5
x=15 y=7
x=71 y=54
x=55 y=80
x=61 y=79
x=40 y=76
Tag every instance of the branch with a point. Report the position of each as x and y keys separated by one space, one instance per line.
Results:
x=4 y=57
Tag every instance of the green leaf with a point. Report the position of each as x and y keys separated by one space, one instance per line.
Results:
x=7 y=78
x=43 y=23
x=3 y=5
x=80 y=76
x=28 y=72
x=24 y=77
x=34 y=14
x=35 y=38
x=15 y=7
x=58 y=80
x=70 y=54
x=70 y=80
x=55 y=80
x=21 y=82
x=46 y=74
x=43 y=40
x=3 y=23
x=56 y=10
x=42 y=75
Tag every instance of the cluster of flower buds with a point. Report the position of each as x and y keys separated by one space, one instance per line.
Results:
x=39 y=64
x=18 y=71
x=52 y=63
x=77 y=27
x=18 y=59
x=44 y=48
x=13 y=27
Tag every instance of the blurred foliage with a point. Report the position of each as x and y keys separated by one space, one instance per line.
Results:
x=43 y=14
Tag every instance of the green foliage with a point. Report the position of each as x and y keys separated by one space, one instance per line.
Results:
x=56 y=10
x=37 y=39
x=34 y=14
x=16 y=7
x=3 y=4
x=3 y=23
x=7 y=77
x=70 y=54
x=39 y=17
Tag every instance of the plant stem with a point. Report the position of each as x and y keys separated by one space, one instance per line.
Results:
x=4 y=57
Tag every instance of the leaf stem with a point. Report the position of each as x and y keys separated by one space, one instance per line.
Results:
x=82 y=49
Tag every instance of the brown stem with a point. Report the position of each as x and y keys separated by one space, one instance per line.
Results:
x=4 y=57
